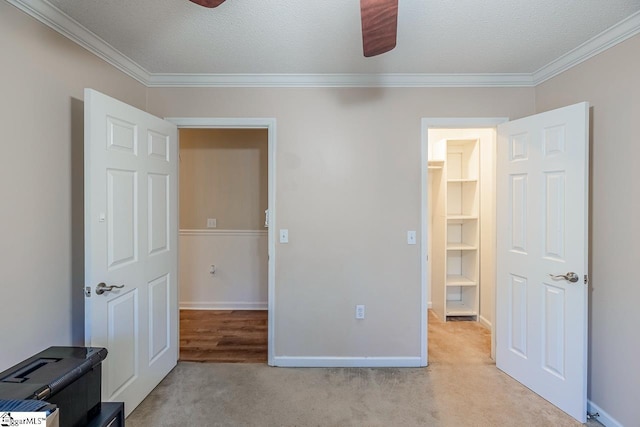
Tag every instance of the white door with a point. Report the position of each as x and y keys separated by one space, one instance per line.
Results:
x=130 y=241
x=542 y=211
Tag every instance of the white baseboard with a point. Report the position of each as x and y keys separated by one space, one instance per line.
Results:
x=429 y=305
x=484 y=322
x=347 y=362
x=223 y=305
x=603 y=418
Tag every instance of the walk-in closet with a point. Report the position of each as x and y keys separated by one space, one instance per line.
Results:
x=461 y=223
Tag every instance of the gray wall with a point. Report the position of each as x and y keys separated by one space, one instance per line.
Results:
x=610 y=82
x=348 y=189
x=41 y=182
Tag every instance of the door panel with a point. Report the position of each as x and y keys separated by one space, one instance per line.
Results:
x=131 y=228
x=554 y=217
x=158 y=221
x=121 y=366
x=518 y=316
x=518 y=218
x=158 y=146
x=542 y=217
x=122 y=210
x=159 y=317
x=553 y=330
x=122 y=136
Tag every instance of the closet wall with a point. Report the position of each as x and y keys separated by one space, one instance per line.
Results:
x=462 y=223
x=223 y=177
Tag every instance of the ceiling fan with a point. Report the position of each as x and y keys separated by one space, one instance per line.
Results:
x=379 y=24
x=208 y=3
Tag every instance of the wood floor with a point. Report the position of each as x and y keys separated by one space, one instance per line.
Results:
x=223 y=336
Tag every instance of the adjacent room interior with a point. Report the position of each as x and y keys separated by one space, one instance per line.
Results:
x=223 y=258
x=461 y=221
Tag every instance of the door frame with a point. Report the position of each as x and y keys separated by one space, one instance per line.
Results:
x=439 y=123
x=250 y=123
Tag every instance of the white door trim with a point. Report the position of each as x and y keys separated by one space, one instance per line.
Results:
x=439 y=123
x=251 y=123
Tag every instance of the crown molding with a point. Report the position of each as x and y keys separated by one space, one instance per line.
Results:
x=610 y=37
x=59 y=21
x=54 y=18
x=340 y=80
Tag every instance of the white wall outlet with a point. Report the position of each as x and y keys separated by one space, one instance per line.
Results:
x=212 y=269
x=284 y=236
x=359 y=311
x=212 y=223
x=411 y=237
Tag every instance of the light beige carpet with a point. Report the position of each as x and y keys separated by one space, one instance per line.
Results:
x=461 y=387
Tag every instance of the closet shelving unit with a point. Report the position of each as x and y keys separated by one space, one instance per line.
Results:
x=455 y=229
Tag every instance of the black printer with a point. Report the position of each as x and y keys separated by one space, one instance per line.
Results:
x=69 y=377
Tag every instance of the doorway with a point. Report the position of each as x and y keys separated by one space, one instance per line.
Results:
x=540 y=312
x=228 y=249
x=223 y=257
x=458 y=221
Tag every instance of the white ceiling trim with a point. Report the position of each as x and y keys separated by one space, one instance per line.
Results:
x=54 y=18
x=340 y=80
x=620 y=32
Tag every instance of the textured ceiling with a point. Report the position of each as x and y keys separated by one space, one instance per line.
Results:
x=311 y=36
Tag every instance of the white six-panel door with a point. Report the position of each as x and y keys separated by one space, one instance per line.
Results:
x=130 y=241
x=542 y=223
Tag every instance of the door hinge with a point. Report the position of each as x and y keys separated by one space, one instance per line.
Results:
x=586 y=279
x=87 y=291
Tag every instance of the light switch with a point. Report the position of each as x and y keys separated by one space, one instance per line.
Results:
x=212 y=223
x=411 y=237
x=284 y=236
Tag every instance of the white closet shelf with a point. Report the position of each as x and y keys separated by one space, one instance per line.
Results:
x=462 y=217
x=460 y=247
x=462 y=180
x=459 y=308
x=435 y=164
x=457 y=280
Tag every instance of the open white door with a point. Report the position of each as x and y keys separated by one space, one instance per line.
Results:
x=131 y=241
x=542 y=223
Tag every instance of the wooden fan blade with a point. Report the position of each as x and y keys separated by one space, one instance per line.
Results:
x=208 y=3
x=379 y=26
